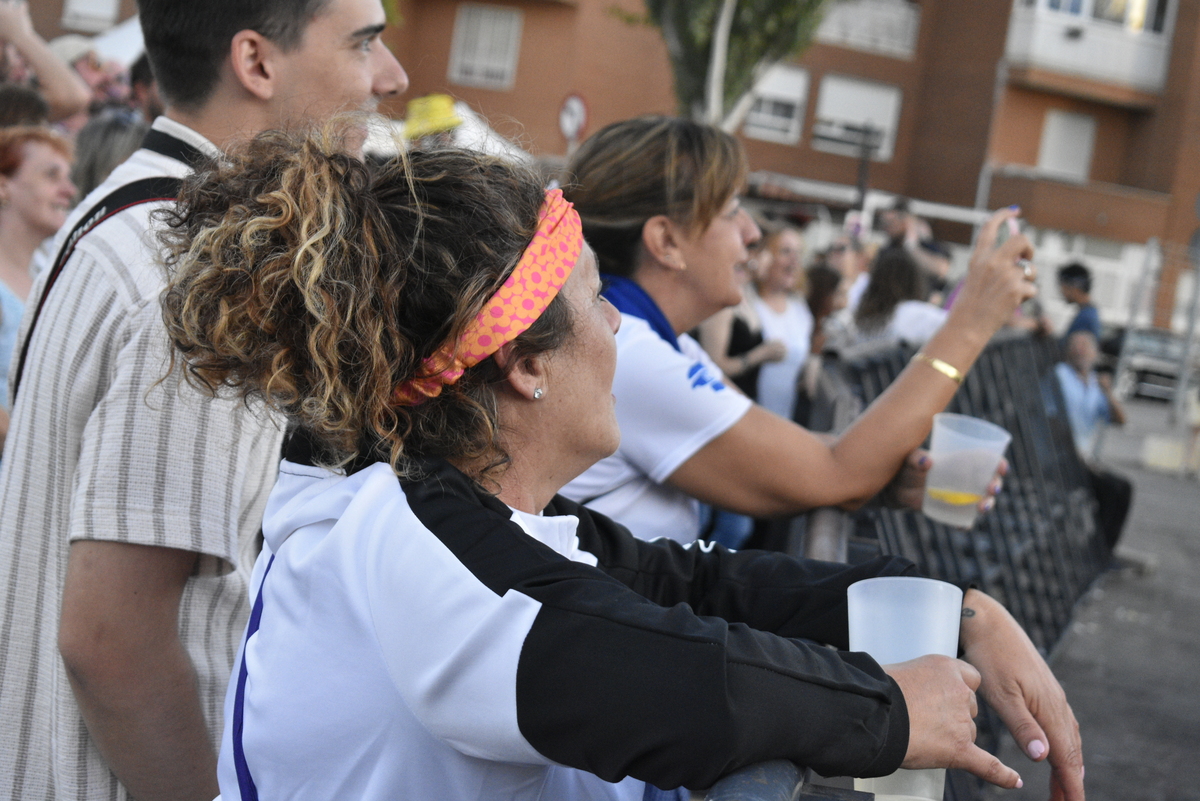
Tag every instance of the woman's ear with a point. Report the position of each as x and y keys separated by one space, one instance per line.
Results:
x=527 y=376
x=250 y=56
x=661 y=239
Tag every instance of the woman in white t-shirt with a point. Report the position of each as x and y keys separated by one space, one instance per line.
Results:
x=785 y=316
x=893 y=307
x=659 y=202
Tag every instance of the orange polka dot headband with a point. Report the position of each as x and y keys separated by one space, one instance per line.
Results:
x=535 y=281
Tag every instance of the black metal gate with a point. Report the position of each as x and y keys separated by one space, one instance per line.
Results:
x=1039 y=550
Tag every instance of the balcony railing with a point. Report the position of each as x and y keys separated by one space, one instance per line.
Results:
x=1081 y=46
x=886 y=27
x=1097 y=209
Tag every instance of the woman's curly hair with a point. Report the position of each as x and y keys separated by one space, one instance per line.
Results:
x=303 y=276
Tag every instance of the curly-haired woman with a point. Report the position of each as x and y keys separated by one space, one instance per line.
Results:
x=430 y=620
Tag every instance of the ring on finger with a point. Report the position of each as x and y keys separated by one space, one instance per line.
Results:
x=1027 y=268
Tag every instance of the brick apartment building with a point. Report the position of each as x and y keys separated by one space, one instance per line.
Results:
x=1084 y=112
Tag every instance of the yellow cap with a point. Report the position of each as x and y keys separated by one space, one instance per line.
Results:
x=429 y=115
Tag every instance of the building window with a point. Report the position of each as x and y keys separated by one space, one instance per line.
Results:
x=1111 y=10
x=1066 y=149
x=92 y=16
x=487 y=42
x=853 y=114
x=1148 y=15
x=780 y=98
x=1068 y=6
x=1137 y=15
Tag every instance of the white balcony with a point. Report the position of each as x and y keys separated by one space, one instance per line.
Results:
x=886 y=27
x=1126 y=53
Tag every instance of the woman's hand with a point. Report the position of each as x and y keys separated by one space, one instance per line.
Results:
x=940 y=695
x=996 y=282
x=772 y=350
x=1018 y=684
x=907 y=489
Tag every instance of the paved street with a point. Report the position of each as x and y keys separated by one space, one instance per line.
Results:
x=1131 y=662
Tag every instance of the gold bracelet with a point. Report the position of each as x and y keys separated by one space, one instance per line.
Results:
x=945 y=368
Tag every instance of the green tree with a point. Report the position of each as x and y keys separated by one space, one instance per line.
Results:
x=719 y=48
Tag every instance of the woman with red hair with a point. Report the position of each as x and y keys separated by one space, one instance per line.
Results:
x=35 y=195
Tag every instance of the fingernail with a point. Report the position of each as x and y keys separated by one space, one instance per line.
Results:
x=1014 y=207
x=1020 y=783
x=923 y=461
x=1036 y=749
x=1081 y=771
x=988 y=504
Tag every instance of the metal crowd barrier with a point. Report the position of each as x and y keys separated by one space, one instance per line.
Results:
x=778 y=780
x=1037 y=552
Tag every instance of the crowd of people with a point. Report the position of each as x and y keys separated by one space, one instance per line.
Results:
x=883 y=289
x=478 y=570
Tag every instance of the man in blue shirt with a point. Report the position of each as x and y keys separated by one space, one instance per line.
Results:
x=1075 y=284
x=1089 y=404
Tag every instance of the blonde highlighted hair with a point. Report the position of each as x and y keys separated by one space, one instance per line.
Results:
x=630 y=171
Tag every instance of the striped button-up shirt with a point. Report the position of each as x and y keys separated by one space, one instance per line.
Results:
x=100 y=449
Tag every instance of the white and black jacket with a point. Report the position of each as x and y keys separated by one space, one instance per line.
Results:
x=422 y=640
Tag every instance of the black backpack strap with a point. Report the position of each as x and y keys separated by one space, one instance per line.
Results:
x=147 y=190
x=173 y=147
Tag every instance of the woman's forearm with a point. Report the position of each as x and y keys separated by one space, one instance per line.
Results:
x=63 y=90
x=767 y=466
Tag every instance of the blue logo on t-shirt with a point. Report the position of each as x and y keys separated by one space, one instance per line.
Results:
x=700 y=378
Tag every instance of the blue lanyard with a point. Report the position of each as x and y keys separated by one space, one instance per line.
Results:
x=631 y=299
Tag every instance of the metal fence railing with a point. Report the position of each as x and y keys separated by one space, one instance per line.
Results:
x=778 y=780
x=1037 y=552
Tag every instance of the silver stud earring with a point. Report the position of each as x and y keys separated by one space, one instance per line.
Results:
x=538 y=393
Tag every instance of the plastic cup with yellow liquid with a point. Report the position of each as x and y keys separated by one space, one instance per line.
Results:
x=965 y=453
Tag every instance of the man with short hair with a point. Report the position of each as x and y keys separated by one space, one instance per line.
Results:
x=1075 y=284
x=129 y=504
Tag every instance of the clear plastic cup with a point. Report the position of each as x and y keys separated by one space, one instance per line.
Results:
x=965 y=452
x=895 y=619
